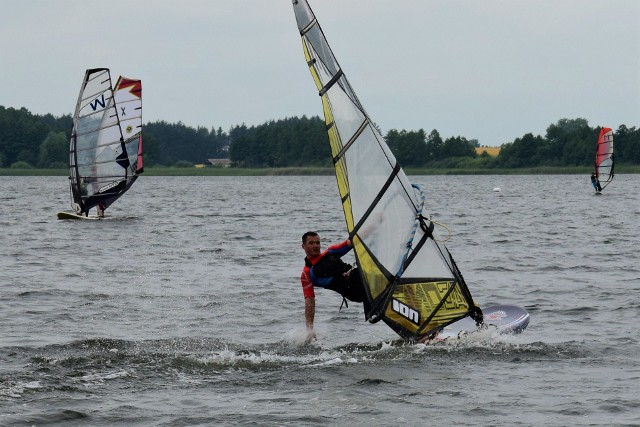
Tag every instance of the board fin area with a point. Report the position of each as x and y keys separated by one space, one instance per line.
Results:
x=506 y=319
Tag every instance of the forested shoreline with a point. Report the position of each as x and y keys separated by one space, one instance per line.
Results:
x=30 y=141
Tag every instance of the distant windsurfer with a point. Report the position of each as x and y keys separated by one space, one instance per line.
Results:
x=327 y=270
x=595 y=182
x=100 y=209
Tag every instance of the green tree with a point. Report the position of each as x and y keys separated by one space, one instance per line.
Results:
x=434 y=146
x=171 y=142
x=150 y=150
x=54 y=151
x=627 y=145
x=27 y=139
x=569 y=142
x=409 y=147
x=21 y=165
x=288 y=142
x=21 y=133
x=458 y=146
x=523 y=152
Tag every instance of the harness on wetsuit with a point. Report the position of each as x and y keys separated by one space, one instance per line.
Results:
x=330 y=266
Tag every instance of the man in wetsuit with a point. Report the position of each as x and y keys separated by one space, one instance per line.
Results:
x=327 y=270
x=100 y=209
x=595 y=182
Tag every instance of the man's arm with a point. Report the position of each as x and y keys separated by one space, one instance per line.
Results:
x=340 y=249
x=309 y=311
x=309 y=315
x=309 y=303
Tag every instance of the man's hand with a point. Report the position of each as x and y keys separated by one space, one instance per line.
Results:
x=348 y=272
x=311 y=335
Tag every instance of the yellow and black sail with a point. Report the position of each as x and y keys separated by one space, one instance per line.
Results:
x=412 y=282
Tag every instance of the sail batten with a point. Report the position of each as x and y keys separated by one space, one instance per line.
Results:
x=105 y=155
x=355 y=136
x=308 y=27
x=410 y=282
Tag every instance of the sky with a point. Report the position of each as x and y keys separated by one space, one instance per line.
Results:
x=491 y=70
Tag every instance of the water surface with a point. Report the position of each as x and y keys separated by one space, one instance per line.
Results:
x=185 y=308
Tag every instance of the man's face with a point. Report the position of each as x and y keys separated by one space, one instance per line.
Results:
x=312 y=246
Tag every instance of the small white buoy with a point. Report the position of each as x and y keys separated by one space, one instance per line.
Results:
x=497 y=189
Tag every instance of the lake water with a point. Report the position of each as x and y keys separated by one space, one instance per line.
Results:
x=185 y=308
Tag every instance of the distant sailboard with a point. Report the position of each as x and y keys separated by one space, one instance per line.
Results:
x=412 y=281
x=604 y=158
x=72 y=215
x=105 y=154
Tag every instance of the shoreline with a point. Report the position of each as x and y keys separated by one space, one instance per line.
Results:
x=319 y=171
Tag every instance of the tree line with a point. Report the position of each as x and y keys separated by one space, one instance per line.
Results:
x=29 y=140
x=303 y=142
x=42 y=141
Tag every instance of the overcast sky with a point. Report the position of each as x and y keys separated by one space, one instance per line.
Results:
x=492 y=70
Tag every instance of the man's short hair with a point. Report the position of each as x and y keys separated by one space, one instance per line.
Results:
x=307 y=234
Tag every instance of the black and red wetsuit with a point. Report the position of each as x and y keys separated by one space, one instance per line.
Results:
x=327 y=271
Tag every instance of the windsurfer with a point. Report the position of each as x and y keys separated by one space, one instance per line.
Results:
x=327 y=270
x=595 y=182
x=100 y=209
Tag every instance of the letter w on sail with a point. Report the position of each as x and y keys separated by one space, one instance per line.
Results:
x=96 y=102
